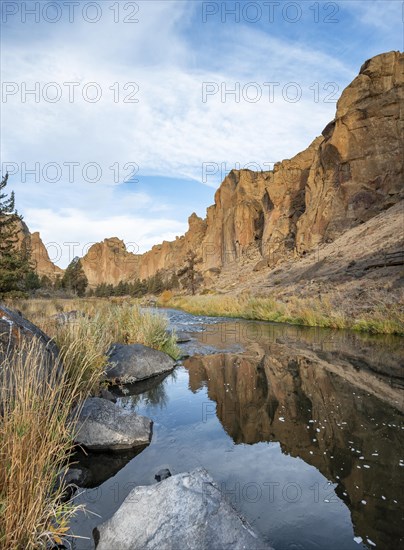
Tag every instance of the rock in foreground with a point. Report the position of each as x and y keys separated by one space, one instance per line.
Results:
x=17 y=333
x=131 y=363
x=103 y=426
x=184 y=511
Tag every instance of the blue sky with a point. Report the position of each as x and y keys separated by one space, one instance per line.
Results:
x=145 y=88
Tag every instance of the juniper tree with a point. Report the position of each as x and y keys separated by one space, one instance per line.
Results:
x=15 y=265
x=74 y=278
x=189 y=277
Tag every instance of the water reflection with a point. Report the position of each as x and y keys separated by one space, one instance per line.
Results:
x=315 y=414
x=292 y=405
x=151 y=392
x=98 y=467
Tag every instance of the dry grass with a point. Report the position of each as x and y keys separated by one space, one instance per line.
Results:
x=84 y=342
x=326 y=312
x=35 y=441
x=36 y=433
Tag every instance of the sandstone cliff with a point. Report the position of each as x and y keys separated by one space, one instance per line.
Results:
x=109 y=262
x=349 y=174
x=39 y=254
x=346 y=176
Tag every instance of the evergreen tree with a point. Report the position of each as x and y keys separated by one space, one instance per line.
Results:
x=45 y=282
x=32 y=281
x=15 y=267
x=138 y=288
x=74 y=278
x=155 y=284
x=189 y=277
x=174 y=282
x=58 y=285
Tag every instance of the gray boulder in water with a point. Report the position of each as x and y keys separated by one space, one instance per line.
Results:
x=104 y=426
x=130 y=363
x=185 y=511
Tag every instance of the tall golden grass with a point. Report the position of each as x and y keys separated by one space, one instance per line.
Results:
x=36 y=432
x=36 y=437
x=326 y=312
x=84 y=341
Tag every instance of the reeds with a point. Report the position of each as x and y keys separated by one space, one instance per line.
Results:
x=36 y=436
x=328 y=312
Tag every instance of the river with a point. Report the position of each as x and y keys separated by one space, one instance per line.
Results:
x=302 y=429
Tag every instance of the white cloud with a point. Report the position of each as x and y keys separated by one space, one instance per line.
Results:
x=65 y=240
x=170 y=132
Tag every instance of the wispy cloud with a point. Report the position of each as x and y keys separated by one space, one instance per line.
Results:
x=170 y=131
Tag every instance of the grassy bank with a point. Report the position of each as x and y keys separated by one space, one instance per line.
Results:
x=36 y=433
x=325 y=312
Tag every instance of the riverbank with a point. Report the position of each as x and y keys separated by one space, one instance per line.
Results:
x=36 y=428
x=328 y=312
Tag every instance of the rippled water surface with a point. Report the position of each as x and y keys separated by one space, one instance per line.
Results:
x=301 y=428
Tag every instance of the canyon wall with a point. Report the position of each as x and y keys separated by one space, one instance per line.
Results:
x=109 y=262
x=349 y=174
x=39 y=254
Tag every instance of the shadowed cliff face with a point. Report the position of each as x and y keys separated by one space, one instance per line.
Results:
x=350 y=436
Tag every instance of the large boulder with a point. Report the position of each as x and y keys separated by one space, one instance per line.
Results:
x=17 y=334
x=130 y=363
x=184 y=511
x=104 y=426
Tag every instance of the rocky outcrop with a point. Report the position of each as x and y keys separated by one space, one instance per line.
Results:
x=235 y=223
x=348 y=175
x=171 y=255
x=17 y=334
x=41 y=260
x=285 y=203
x=131 y=363
x=184 y=511
x=358 y=169
x=104 y=426
x=109 y=262
x=32 y=242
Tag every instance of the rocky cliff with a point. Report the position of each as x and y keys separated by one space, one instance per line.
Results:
x=109 y=262
x=348 y=175
x=39 y=254
x=43 y=264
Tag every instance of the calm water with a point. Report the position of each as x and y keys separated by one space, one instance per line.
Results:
x=312 y=456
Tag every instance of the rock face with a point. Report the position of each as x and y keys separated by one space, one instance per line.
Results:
x=103 y=426
x=358 y=169
x=109 y=262
x=171 y=255
x=40 y=257
x=184 y=511
x=348 y=175
x=39 y=254
x=131 y=363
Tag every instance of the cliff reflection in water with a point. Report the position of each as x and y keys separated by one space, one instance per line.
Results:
x=353 y=438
